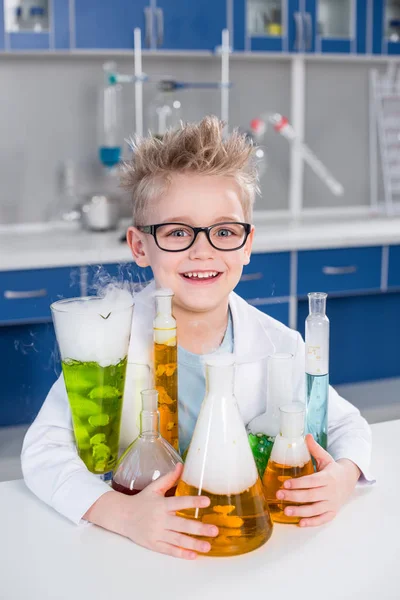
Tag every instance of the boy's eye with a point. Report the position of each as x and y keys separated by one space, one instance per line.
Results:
x=224 y=232
x=178 y=233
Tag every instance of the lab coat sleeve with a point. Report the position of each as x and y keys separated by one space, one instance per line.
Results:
x=349 y=435
x=51 y=466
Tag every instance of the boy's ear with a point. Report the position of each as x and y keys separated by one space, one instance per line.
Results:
x=135 y=241
x=248 y=246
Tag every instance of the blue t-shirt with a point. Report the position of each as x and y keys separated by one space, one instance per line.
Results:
x=192 y=386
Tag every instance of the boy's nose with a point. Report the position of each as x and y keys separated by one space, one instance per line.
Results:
x=201 y=247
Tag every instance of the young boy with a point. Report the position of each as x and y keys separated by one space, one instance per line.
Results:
x=193 y=194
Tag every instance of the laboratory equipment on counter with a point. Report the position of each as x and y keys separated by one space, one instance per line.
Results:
x=164 y=111
x=68 y=206
x=110 y=132
x=317 y=368
x=220 y=465
x=282 y=126
x=264 y=428
x=166 y=366
x=100 y=212
x=138 y=378
x=149 y=456
x=289 y=458
x=93 y=336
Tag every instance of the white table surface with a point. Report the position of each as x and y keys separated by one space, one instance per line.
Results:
x=357 y=556
x=40 y=246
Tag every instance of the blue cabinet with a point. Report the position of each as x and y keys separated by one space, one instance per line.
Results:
x=106 y=24
x=183 y=25
x=339 y=271
x=301 y=26
x=266 y=277
x=61 y=25
x=394 y=268
x=29 y=365
x=386 y=27
x=25 y=296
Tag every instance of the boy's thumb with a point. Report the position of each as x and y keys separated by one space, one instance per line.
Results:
x=322 y=457
x=166 y=482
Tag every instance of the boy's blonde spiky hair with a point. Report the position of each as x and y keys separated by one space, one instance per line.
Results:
x=198 y=148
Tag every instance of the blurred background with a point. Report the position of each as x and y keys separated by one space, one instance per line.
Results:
x=314 y=83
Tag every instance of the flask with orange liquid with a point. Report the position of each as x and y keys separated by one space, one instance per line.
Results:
x=289 y=458
x=220 y=465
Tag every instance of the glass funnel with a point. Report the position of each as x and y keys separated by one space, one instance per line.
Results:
x=149 y=456
x=93 y=336
x=220 y=465
x=289 y=458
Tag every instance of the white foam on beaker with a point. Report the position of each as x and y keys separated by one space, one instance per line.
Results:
x=95 y=329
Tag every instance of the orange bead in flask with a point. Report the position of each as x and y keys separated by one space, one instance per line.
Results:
x=220 y=465
x=289 y=458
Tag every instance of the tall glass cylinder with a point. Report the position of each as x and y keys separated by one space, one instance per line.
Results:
x=317 y=368
x=110 y=132
x=93 y=337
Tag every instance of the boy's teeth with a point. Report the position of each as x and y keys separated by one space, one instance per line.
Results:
x=205 y=275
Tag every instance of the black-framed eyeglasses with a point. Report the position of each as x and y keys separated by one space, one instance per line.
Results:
x=176 y=237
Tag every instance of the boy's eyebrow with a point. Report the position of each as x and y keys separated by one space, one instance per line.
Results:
x=187 y=220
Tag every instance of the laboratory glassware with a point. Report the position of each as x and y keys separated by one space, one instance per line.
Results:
x=166 y=366
x=220 y=465
x=149 y=457
x=289 y=458
x=317 y=368
x=110 y=134
x=265 y=427
x=93 y=338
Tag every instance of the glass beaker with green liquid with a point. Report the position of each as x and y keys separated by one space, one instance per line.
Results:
x=93 y=336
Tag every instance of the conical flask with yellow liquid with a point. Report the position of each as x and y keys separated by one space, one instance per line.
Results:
x=289 y=458
x=166 y=366
x=220 y=465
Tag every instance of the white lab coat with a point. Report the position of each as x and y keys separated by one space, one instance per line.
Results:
x=53 y=470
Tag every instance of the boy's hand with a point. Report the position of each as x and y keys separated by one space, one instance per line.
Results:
x=149 y=518
x=322 y=493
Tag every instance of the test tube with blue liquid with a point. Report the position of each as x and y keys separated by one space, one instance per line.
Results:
x=110 y=118
x=317 y=368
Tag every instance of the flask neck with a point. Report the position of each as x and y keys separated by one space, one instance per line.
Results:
x=220 y=379
x=149 y=423
x=164 y=305
x=317 y=303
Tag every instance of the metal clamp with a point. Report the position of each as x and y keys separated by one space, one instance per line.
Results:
x=298 y=42
x=340 y=270
x=309 y=30
x=12 y=295
x=160 y=26
x=148 y=19
x=251 y=277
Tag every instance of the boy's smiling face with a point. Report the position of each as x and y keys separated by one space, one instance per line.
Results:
x=201 y=277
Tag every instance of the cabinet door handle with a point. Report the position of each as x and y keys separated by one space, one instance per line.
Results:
x=251 y=277
x=12 y=295
x=298 y=42
x=160 y=26
x=148 y=19
x=339 y=270
x=309 y=30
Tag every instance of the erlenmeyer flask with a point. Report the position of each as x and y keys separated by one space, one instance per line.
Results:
x=265 y=427
x=289 y=458
x=149 y=456
x=220 y=465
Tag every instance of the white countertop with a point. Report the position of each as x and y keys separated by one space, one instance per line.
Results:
x=354 y=557
x=39 y=246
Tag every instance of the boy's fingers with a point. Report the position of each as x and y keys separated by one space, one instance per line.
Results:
x=165 y=548
x=183 y=502
x=166 y=482
x=191 y=526
x=185 y=541
x=316 y=521
x=308 y=481
x=302 y=496
x=322 y=457
x=307 y=510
